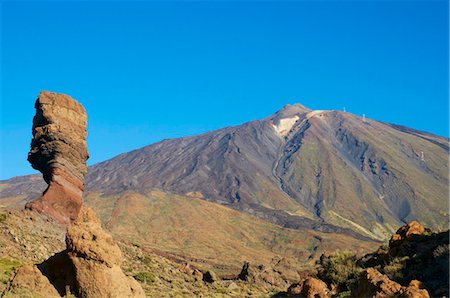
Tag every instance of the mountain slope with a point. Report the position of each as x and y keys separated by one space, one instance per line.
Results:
x=208 y=234
x=327 y=170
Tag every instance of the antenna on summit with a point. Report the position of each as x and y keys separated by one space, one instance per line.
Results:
x=344 y=110
x=364 y=118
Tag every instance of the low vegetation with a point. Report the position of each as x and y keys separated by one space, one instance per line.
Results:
x=339 y=269
x=7 y=265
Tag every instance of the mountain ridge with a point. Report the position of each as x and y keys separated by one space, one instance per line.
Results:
x=297 y=167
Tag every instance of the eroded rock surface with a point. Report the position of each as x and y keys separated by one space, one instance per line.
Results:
x=374 y=284
x=59 y=152
x=88 y=268
x=30 y=282
x=309 y=288
x=96 y=259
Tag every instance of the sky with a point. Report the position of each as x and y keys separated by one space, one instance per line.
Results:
x=147 y=71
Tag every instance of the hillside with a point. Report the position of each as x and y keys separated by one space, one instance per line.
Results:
x=413 y=264
x=208 y=234
x=297 y=168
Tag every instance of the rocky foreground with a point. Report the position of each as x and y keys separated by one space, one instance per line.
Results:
x=414 y=264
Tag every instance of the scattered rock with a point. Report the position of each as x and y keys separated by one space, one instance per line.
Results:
x=309 y=288
x=59 y=152
x=314 y=288
x=406 y=231
x=263 y=275
x=374 y=284
x=244 y=274
x=209 y=277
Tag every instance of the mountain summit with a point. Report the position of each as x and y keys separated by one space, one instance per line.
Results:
x=322 y=169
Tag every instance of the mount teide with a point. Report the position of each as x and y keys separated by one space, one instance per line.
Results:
x=326 y=170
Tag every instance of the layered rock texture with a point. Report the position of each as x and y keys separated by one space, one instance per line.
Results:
x=59 y=151
x=90 y=264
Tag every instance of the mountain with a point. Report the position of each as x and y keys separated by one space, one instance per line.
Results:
x=325 y=170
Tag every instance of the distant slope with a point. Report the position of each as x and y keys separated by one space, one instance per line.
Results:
x=325 y=170
x=207 y=234
x=210 y=234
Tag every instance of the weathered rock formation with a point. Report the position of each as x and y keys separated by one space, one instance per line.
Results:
x=374 y=284
x=96 y=259
x=309 y=288
x=88 y=268
x=58 y=150
x=90 y=264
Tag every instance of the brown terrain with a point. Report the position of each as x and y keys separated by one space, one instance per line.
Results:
x=411 y=266
x=175 y=237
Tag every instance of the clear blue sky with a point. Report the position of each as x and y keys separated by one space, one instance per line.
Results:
x=146 y=71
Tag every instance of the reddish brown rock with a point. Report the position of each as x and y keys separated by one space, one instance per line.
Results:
x=405 y=232
x=314 y=288
x=414 y=290
x=376 y=285
x=58 y=150
x=309 y=288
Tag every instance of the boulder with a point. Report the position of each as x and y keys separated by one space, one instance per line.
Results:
x=314 y=288
x=209 y=277
x=414 y=290
x=262 y=275
x=309 y=288
x=30 y=282
x=59 y=152
x=406 y=231
x=374 y=284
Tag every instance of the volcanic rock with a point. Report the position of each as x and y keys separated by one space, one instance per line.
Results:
x=374 y=284
x=29 y=282
x=97 y=259
x=406 y=231
x=59 y=152
x=262 y=275
x=414 y=290
x=209 y=277
x=309 y=288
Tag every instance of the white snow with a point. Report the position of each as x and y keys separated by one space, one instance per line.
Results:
x=285 y=125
